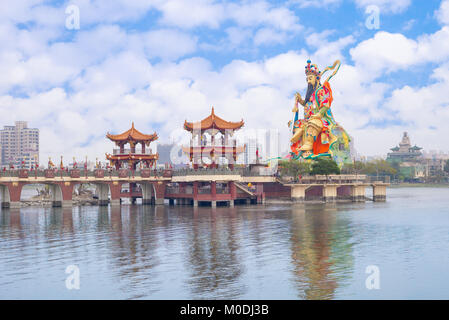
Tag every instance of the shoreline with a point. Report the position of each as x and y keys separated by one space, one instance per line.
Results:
x=419 y=185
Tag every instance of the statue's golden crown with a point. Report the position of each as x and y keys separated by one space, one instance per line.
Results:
x=312 y=69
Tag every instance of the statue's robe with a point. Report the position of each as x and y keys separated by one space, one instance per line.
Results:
x=325 y=140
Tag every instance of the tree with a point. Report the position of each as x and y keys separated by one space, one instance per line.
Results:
x=325 y=166
x=356 y=167
x=379 y=167
x=293 y=168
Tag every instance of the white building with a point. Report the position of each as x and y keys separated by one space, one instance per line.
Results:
x=19 y=144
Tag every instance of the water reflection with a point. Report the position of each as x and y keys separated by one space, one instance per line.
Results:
x=321 y=251
x=213 y=254
x=209 y=252
x=249 y=252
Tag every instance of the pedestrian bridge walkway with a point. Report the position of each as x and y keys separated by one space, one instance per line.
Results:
x=202 y=186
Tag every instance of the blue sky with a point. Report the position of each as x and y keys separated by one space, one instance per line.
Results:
x=159 y=62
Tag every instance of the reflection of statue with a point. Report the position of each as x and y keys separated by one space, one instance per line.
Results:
x=322 y=252
x=318 y=134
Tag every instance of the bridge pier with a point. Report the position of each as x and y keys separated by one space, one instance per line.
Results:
x=147 y=193
x=330 y=193
x=379 y=192
x=103 y=194
x=115 y=188
x=298 y=193
x=159 y=188
x=61 y=194
x=358 y=193
x=4 y=191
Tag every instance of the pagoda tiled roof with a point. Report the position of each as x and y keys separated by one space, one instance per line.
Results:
x=132 y=135
x=213 y=122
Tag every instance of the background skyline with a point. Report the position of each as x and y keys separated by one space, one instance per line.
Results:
x=158 y=63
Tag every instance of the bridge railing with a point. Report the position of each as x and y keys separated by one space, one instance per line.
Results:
x=82 y=173
x=219 y=171
x=335 y=179
x=202 y=171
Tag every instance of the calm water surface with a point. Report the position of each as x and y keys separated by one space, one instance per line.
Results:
x=246 y=252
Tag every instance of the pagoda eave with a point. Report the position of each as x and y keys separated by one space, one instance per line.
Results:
x=133 y=135
x=213 y=122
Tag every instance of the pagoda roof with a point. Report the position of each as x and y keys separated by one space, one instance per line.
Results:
x=132 y=135
x=213 y=122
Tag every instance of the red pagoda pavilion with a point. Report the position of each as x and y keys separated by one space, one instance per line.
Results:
x=133 y=137
x=215 y=147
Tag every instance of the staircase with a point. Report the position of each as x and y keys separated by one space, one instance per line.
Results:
x=244 y=189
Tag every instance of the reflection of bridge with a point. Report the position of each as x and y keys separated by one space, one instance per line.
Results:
x=193 y=187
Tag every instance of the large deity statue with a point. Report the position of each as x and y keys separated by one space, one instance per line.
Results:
x=318 y=134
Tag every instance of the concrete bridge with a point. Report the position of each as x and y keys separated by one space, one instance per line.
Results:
x=192 y=187
x=109 y=185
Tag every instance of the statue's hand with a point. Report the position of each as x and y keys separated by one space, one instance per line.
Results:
x=299 y=99
x=316 y=116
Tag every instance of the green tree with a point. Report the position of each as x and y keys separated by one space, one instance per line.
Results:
x=379 y=167
x=356 y=167
x=325 y=166
x=293 y=168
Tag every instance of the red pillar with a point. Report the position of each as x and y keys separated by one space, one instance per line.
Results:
x=67 y=191
x=232 y=190
x=115 y=188
x=213 y=190
x=160 y=191
x=15 y=190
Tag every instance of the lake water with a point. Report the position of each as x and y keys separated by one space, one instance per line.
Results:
x=318 y=251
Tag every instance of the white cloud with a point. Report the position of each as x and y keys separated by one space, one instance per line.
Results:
x=442 y=13
x=388 y=52
x=101 y=79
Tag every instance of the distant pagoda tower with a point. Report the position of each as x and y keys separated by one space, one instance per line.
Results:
x=216 y=147
x=130 y=156
x=405 y=152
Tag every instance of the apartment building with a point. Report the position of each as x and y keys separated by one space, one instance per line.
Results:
x=19 y=145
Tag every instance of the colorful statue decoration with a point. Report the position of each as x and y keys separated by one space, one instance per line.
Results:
x=318 y=134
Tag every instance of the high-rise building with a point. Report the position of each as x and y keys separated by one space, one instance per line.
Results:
x=252 y=148
x=272 y=145
x=19 y=145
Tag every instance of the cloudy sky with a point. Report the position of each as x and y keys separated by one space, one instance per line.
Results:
x=159 y=62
